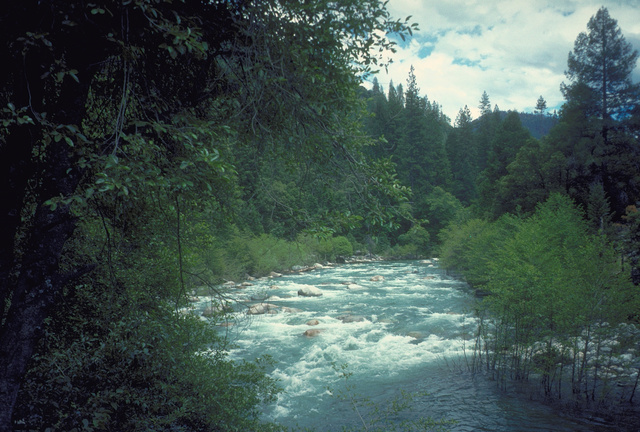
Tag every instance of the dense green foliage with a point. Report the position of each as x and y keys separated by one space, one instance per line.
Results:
x=557 y=298
x=150 y=147
x=551 y=243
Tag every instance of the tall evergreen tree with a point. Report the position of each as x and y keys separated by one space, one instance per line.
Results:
x=541 y=106
x=599 y=67
x=487 y=125
x=509 y=138
x=378 y=123
x=485 y=104
x=597 y=118
x=462 y=154
x=420 y=155
x=540 y=109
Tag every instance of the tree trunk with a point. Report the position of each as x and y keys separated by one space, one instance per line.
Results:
x=36 y=282
x=34 y=292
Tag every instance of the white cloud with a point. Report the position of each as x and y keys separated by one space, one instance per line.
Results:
x=515 y=50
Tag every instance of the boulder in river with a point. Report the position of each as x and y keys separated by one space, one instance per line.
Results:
x=309 y=291
x=263 y=308
x=312 y=332
x=216 y=308
x=377 y=278
x=313 y=322
x=351 y=318
x=274 y=274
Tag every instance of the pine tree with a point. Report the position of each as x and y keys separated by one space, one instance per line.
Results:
x=509 y=138
x=541 y=106
x=488 y=123
x=598 y=115
x=485 y=104
x=421 y=157
x=462 y=153
x=600 y=65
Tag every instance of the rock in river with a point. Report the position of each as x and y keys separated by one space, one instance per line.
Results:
x=262 y=308
x=313 y=332
x=309 y=291
x=351 y=318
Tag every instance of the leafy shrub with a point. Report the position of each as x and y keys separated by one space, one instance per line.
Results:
x=123 y=369
x=342 y=247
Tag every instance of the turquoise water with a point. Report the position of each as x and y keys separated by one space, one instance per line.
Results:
x=410 y=331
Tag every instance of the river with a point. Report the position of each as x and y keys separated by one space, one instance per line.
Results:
x=409 y=331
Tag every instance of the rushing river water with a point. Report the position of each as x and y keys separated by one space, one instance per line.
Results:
x=409 y=331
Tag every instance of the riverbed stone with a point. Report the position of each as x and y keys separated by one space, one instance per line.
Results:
x=349 y=318
x=216 y=308
x=313 y=332
x=377 y=278
x=262 y=308
x=313 y=322
x=309 y=291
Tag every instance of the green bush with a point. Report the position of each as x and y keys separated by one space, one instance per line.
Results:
x=342 y=247
x=120 y=368
x=468 y=247
x=327 y=249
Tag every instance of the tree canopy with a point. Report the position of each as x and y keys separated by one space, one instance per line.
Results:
x=117 y=112
x=601 y=64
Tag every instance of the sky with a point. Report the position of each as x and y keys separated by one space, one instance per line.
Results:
x=515 y=50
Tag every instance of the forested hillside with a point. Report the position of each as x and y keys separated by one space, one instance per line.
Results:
x=541 y=219
x=151 y=150
x=552 y=239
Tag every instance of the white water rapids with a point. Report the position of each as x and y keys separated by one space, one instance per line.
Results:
x=409 y=331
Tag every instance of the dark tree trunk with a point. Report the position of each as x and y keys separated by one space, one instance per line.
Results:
x=31 y=280
x=34 y=293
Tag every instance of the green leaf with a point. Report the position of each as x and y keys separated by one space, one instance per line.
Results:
x=74 y=75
